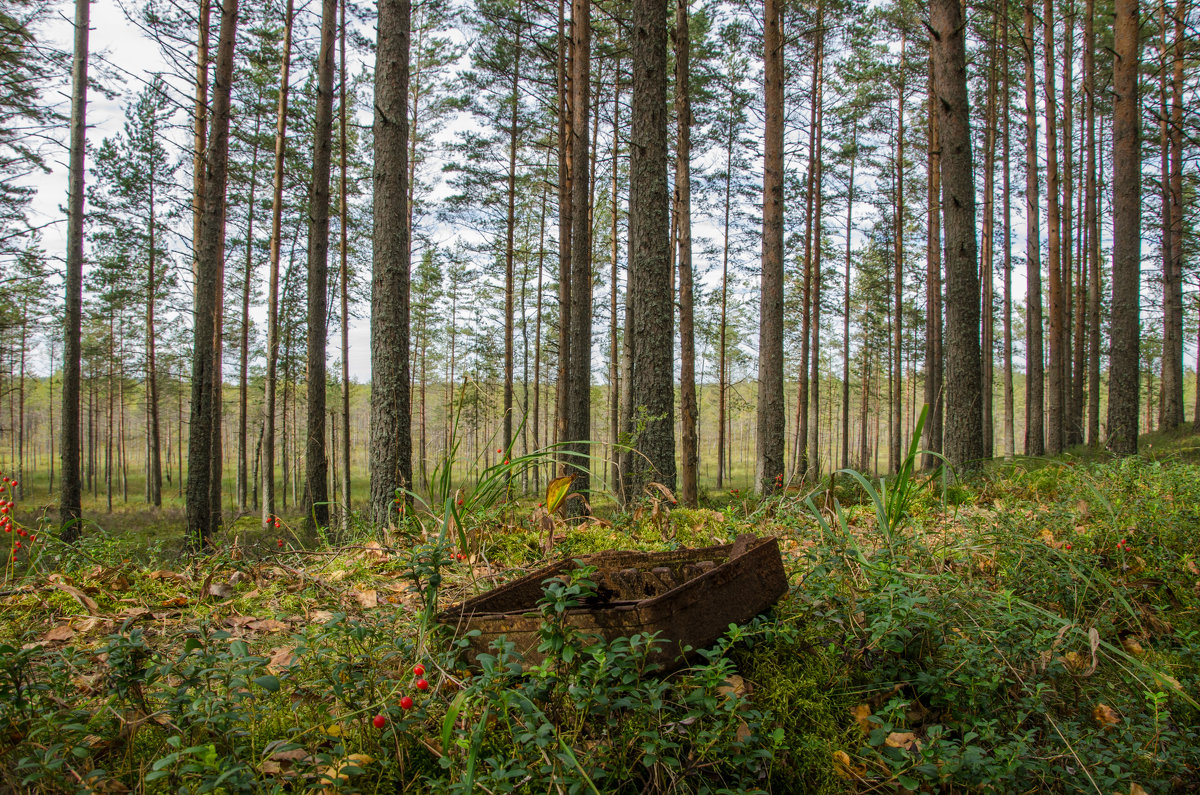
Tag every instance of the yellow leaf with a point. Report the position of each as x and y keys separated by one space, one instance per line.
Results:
x=905 y=740
x=862 y=716
x=1105 y=715
x=844 y=768
x=557 y=491
x=1131 y=645
x=1136 y=789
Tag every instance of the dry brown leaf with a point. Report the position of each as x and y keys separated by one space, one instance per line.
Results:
x=282 y=659
x=1105 y=716
x=735 y=685
x=374 y=554
x=240 y=621
x=1048 y=537
x=366 y=599
x=862 y=716
x=133 y=613
x=843 y=767
x=1130 y=644
x=337 y=575
x=1191 y=566
x=905 y=740
x=220 y=590
x=743 y=732
x=59 y=634
x=175 y=601
x=321 y=616
x=174 y=576
x=86 y=601
x=267 y=625
x=1136 y=789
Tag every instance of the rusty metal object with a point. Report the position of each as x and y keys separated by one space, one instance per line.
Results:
x=688 y=596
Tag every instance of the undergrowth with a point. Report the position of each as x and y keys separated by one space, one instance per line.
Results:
x=1033 y=628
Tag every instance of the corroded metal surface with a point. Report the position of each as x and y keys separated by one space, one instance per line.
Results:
x=688 y=596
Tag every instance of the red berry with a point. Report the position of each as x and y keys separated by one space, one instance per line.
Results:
x=277 y=525
x=18 y=546
x=279 y=543
x=422 y=684
x=418 y=670
x=460 y=500
x=378 y=721
x=32 y=538
x=406 y=702
x=498 y=451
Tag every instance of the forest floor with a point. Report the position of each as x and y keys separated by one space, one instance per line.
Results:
x=1032 y=628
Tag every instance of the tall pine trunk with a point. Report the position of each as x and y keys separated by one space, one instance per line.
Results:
x=1035 y=435
x=269 y=382
x=934 y=364
x=391 y=432
x=316 y=463
x=203 y=444
x=71 y=499
x=769 y=462
x=1057 y=308
x=650 y=408
x=963 y=401
x=344 y=273
x=1126 y=267
x=690 y=456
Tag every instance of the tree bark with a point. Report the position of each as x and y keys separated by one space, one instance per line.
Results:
x=896 y=441
x=269 y=382
x=1055 y=403
x=963 y=403
x=649 y=315
x=344 y=274
x=71 y=497
x=846 y=302
x=391 y=433
x=1035 y=435
x=1010 y=441
x=316 y=463
x=769 y=462
x=690 y=456
x=579 y=363
x=244 y=363
x=1126 y=267
x=1091 y=222
x=934 y=364
x=1171 y=391
x=206 y=378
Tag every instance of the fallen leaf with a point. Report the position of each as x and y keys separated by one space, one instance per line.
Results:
x=337 y=575
x=1105 y=715
x=743 y=732
x=59 y=634
x=240 y=621
x=321 y=616
x=374 y=554
x=1191 y=566
x=221 y=590
x=133 y=612
x=862 y=716
x=1130 y=644
x=735 y=685
x=175 y=601
x=1136 y=789
x=281 y=660
x=267 y=625
x=79 y=596
x=367 y=598
x=844 y=768
x=167 y=575
x=905 y=740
